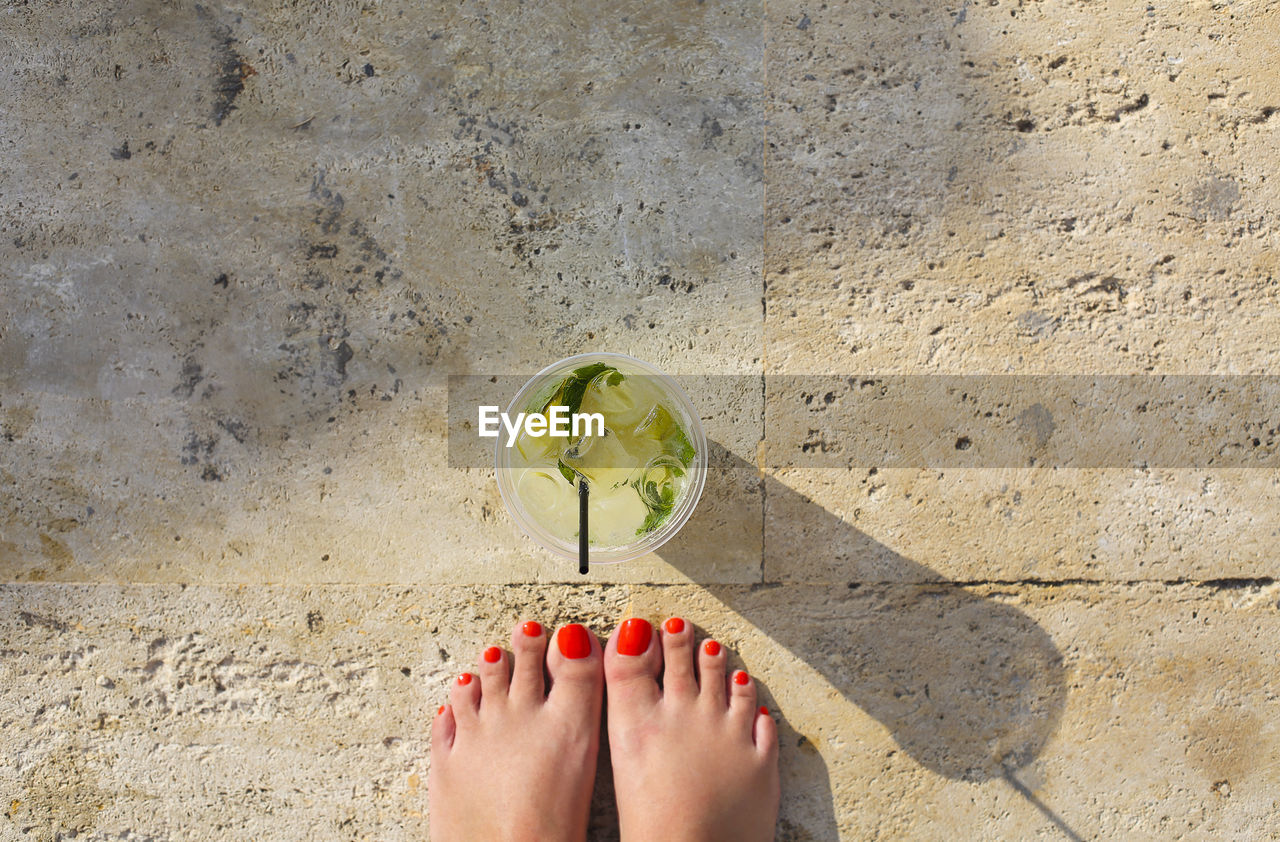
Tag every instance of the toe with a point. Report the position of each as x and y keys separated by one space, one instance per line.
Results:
x=764 y=733
x=742 y=696
x=464 y=696
x=443 y=729
x=711 y=661
x=678 y=679
x=529 y=646
x=632 y=660
x=495 y=675
x=574 y=666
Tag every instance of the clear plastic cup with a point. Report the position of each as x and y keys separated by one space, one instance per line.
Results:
x=532 y=397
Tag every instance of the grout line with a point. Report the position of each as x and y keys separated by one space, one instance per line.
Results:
x=1217 y=584
x=764 y=269
x=1230 y=583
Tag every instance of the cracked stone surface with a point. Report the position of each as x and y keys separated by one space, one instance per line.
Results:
x=246 y=245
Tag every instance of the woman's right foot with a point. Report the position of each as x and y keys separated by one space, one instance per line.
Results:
x=694 y=760
x=511 y=758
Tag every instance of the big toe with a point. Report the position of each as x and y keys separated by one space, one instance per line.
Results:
x=632 y=661
x=573 y=663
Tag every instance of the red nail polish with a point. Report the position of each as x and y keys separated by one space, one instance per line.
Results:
x=675 y=625
x=712 y=648
x=633 y=637
x=532 y=628
x=493 y=654
x=464 y=679
x=441 y=711
x=740 y=677
x=574 y=641
x=764 y=711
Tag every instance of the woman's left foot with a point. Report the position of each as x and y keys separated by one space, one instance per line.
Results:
x=695 y=759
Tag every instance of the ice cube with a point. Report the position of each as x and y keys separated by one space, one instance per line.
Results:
x=615 y=397
x=544 y=493
x=655 y=424
x=659 y=482
x=578 y=450
x=535 y=448
x=661 y=426
x=616 y=515
x=601 y=459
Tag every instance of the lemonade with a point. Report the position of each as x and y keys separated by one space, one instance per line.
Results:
x=643 y=467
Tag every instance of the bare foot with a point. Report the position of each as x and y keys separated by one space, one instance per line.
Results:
x=693 y=760
x=510 y=759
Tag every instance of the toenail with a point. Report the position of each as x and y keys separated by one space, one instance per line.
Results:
x=675 y=625
x=441 y=711
x=740 y=677
x=633 y=637
x=465 y=678
x=574 y=641
x=493 y=654
x=764 y=711
x=532 y=628
x=712 y=648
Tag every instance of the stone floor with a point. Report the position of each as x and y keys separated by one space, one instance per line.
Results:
x=246 y=245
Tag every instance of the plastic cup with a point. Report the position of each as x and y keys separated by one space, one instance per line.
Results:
x=531 y=397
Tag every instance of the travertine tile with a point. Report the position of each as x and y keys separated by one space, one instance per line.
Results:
x=168 y=711
x=905 y=525
x=1140 y=711
x=999 y=188
x=1144 y=712
x=245 y=248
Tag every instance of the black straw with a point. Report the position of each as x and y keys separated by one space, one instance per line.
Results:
x=583 y=560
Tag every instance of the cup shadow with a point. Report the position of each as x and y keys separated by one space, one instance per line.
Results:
x=969 y=686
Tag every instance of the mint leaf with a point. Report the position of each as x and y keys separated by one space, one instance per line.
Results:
x=588 y=372
x=576 y=386
x=572 y=388
x=659 y=511
x=568 y=473
x=683 y=450
x=653 y=520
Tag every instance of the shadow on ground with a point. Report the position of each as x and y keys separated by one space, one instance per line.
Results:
x=969 y=686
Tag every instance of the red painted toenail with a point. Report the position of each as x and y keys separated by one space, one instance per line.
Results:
x=464 y=679
x=633 y=637
x=712 y=648
x=441 y=711
x=740 y=677
x=532 y=628
x=493 y=654
x=675 y=625
x=764 y=711
x=574 y=641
